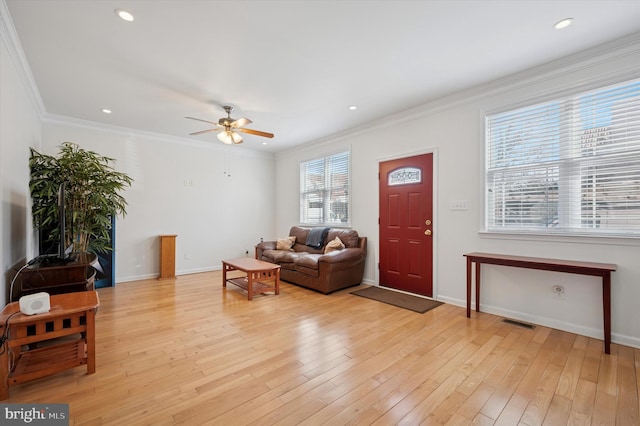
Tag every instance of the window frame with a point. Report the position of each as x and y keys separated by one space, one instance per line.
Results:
x=326 y=192
x=540 y=233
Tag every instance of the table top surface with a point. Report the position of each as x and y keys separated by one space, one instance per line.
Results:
x=524 y=259
x=249 y=264
x=80 y=260
x=61 y=304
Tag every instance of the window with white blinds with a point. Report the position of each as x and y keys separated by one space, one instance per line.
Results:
x=324 y=190
x=571 y=165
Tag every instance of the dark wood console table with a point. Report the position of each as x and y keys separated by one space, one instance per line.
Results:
x=58 y=277
x=602 y=270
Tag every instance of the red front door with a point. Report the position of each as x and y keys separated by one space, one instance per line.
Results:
x=406 y=215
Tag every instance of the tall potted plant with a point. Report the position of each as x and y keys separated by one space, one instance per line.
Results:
x=92 y=195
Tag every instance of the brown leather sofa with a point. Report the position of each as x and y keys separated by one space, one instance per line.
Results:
x=310 y=267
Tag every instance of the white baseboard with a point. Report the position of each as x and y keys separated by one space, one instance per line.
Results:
x=119 y=280
x=548 y=322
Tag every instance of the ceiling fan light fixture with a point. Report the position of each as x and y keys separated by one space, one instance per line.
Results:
x=228 y=137
x=229 y=128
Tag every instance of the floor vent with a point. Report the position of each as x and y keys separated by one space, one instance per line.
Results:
x=519 y=324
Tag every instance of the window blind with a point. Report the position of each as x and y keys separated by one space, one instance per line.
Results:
x=571 y=165
x=324 y=190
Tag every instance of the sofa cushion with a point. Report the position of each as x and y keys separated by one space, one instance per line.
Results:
x=300 y=234
x=349 y=237
x=285 y=243
x=334 y=245
x=307 y=264
x=284 y=258
x=301 y=240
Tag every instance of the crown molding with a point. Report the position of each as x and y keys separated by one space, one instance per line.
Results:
x=619 y=49
x=159 y=137
x=11 y=40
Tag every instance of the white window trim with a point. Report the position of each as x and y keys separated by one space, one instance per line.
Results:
x=548 y=94
x=349 y=197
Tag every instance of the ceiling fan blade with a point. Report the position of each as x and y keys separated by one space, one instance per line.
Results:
x=256 y=132
x=204 y=121
x=203 y=131
x=241 y=122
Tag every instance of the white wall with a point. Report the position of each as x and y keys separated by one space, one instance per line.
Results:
x=452 y=128
x=19 y=129
x=218 y=199
x=221 y=216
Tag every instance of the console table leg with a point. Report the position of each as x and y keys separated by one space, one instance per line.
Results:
x=477 y=286
x=469 y=266
x=606 y=310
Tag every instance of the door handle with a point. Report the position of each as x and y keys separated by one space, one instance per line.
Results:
x=427 y=232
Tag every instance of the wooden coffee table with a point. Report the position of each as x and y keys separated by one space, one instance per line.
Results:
x=261 y=276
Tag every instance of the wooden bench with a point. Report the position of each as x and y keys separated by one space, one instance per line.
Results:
x=569 y=266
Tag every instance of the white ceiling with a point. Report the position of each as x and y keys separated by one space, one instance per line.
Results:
x=293 y=67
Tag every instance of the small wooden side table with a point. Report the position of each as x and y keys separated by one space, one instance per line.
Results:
x=261 y=276
x=70 y=313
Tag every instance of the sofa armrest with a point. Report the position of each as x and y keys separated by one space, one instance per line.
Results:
x=340 y=269
x=344 y=255
x=265 y=245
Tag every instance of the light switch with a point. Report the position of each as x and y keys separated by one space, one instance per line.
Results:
x=458 y=205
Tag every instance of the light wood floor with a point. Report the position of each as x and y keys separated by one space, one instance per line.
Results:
x=188 y=352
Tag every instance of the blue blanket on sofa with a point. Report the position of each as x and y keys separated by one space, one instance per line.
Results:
x=316 y=237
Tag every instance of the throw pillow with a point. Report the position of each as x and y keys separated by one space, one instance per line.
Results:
x=334 y=245
x=285 y=243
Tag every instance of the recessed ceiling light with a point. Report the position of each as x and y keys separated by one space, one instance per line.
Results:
x=563 y=24
x=264 y=143
x=124 y=15
x=106 y=111
x=353 y=107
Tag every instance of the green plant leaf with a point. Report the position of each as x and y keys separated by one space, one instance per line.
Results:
x=92 y=189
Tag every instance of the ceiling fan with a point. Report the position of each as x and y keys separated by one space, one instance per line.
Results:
x=228 y=128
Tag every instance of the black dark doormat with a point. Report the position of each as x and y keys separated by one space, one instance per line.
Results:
x=401 y=300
